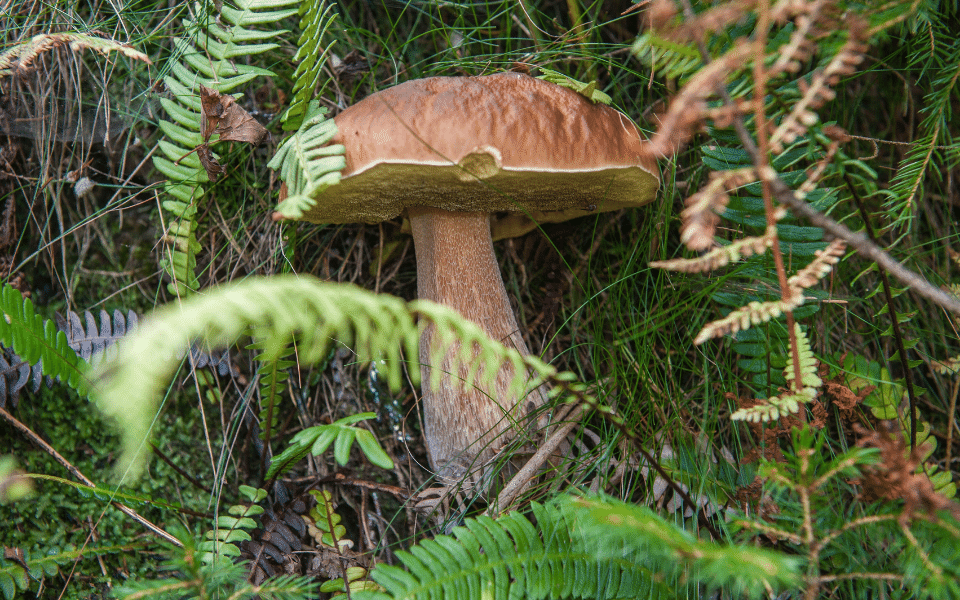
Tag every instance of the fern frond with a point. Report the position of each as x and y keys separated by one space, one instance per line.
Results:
x=671 y=59
x=718 y=257
x=754 y=313
x=774 y=407
x=210 y=62
x=818 y=90
x=579 y=548
x=35 y=339
x=819 y=267
x=319 y=314
x=21 y=55
x=315 y=19
x=307 y=164
x=799 y=393
x=224 y=541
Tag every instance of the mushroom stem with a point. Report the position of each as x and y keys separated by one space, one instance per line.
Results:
x=457 y=267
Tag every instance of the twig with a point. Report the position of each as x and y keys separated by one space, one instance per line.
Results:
x=524 y=477
x=36 y=439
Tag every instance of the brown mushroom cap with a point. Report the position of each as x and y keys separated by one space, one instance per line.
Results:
x=505 y=142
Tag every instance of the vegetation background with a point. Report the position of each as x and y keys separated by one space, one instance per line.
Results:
x=858 y=505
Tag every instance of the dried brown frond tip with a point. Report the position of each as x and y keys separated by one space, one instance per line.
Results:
x=660 y=14
x=896 y=476
x=21 y=56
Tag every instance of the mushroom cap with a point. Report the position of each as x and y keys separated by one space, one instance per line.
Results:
x=504 y=142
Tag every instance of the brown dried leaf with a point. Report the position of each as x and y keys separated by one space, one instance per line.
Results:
x=221 y=114
x=209 y=162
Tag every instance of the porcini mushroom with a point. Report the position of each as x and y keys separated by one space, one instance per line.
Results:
x=449 y=151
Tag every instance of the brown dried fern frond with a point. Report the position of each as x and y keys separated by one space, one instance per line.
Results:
x=711 y=20
x=23 y=54
x=687 y=110
x=752 y=314
x=819 y=90
x=718 y=257
x=703 y=210
x=800 y=47
x=820 y=266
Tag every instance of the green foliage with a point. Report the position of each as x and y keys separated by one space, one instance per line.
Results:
x=838 y=539
x=277 y=309
x=207 y=57
x=315 y=440
x=315 y=19
x=37 y=339
x=579 y=548
x=933 y=150
x=307 y=164
x=222 y=544
x=195 y=578
x=21 y=572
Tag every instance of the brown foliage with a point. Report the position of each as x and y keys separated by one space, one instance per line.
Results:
x=896 y=476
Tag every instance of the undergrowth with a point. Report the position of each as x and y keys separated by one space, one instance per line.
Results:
x=776 y=414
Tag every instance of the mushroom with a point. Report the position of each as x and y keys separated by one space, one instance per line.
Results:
x=449 y=151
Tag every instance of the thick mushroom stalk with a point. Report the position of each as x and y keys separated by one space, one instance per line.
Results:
x=456 y=267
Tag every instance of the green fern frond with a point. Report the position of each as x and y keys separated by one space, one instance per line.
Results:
x=578 y=549
x=315 y=440
x=307 y=164
x=231 y=529
x=671 y=59
x=326 y=527
x=607 y=523
x=315 y=19
x=801 y=392
x=207 y=60
x=319 y=314
x=808 y=363
x=37 y=339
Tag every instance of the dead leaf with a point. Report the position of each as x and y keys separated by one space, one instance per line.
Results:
x=221 y=114
x=210 y=164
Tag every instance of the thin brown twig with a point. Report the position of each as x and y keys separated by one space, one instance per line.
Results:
x=36 y=439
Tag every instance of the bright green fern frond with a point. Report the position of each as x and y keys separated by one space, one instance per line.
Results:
x=318 y=314
x=36 y=339
x=671 y=59
x=231 y=529
x=789 y=402
x=808 y=363
x=607 y=525
x=316 y=19
x=306 y=164
x=578 y=549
